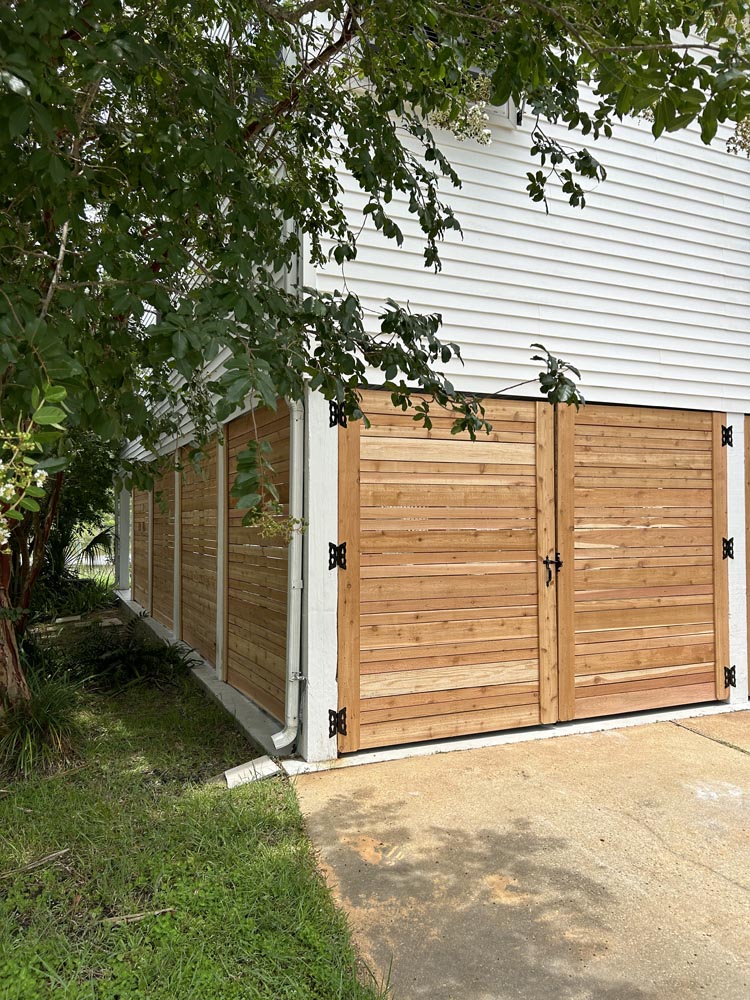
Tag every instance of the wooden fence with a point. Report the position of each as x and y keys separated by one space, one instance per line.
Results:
x=231 y=581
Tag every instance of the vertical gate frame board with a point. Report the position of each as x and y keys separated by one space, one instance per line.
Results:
x=565 y=583
x=177 y=557
x=738 y=523
x=320 y=591
x=348 y=584
x=222 y=578
x=720 y=575
x=150 y=600
x=746 y=540
x=546 y=546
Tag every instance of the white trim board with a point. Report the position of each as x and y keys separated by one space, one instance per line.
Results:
x=605 y=724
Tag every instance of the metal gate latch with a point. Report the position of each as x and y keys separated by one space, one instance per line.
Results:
x=730 y=677
x=337 y=722
x=549 y=563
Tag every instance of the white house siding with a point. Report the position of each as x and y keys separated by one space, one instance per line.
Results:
x=647 y=289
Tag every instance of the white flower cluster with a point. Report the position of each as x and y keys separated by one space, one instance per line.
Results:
x=469 y=124
x=11 y=489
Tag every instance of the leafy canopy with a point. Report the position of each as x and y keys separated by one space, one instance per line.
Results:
x=165 y=164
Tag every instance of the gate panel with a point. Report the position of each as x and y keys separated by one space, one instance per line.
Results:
x=643 y=594
x=451 y=635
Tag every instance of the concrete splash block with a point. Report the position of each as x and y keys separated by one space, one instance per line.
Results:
x=252 y=770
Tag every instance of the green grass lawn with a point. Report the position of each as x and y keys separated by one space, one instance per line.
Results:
x=250 y=916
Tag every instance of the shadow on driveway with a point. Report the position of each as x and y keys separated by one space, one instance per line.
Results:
x=612 y=867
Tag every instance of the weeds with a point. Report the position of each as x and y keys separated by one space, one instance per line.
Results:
x=114 y=656
x=107 y=655
x=226 y=884
x=68 y=595
x=43 y=732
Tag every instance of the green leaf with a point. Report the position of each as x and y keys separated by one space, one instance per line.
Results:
x=55 y=464
x=54 y=393
x=19 y=119
x=46 y=415
x=249 y=500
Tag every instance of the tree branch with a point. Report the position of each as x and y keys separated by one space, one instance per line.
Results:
x=57 y=272
x=348 y=32
x=37 y=557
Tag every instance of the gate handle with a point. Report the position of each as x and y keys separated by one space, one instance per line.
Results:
x=549 y=563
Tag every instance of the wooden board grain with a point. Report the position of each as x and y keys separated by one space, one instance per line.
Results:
x=198 y=550
x=645 y=619
x=443 y=620
x=162 y=595
x=141 y=548
x=566 y=545
x=349 y=641
x=256 y=582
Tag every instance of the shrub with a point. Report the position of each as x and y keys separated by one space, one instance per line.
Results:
x=114 y=656
x=68 y=595
x=42 y=733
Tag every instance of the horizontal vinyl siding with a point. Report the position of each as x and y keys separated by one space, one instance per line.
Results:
x=647 y=289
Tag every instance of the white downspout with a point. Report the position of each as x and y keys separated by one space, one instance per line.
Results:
x=288 y=734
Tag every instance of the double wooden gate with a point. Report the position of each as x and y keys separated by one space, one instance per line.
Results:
x=567 y=566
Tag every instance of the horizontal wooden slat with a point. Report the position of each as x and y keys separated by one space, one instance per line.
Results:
x=631 y=417
x=640 y=701
x=444 y=727
x=638 y=679
x=377 y=405
x=635 y=657
x=663 y=575
x=457 y=702
x=387 y=582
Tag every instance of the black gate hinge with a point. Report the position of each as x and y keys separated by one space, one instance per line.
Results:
x=726 y=436
x=730 y=677
x=337 y=722
x=336 y=555
x=336 y=414
x=727 y=548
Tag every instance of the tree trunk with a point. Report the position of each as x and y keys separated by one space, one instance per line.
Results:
x=30 y=569
x=13 y=685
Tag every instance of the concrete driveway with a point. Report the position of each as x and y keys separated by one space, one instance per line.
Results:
x=612 y=866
